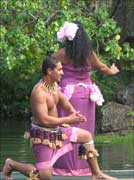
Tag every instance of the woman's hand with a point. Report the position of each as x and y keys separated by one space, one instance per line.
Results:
x=114 y=69
x=97 y=64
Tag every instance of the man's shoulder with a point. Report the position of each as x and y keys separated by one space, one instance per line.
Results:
x=38 y=90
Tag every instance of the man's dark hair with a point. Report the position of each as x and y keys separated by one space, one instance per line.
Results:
x=49 y=62
x=79 y=49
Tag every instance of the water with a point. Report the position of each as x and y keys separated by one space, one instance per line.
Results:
x=12 y=144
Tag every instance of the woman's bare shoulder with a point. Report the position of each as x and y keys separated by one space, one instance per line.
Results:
x=61 y=55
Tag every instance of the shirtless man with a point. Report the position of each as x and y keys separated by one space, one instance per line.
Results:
x=52 y=136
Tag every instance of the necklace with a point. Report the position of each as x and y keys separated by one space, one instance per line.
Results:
x=49 y=88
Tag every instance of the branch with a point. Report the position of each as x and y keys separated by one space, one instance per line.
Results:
x=47 y=22
x=115 y=9
x=34 y=17
x=97 y=48
x=34 y=21
x=52 y=17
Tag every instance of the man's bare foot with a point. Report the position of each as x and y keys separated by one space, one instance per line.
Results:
x=7 y=170
x=103 y=176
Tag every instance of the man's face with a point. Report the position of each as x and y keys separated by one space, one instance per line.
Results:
x=57 y=72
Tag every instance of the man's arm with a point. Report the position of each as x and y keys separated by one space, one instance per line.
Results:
x=40 y=112
x=66 y=105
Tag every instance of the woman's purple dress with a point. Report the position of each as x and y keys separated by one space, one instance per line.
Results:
x=69 y=165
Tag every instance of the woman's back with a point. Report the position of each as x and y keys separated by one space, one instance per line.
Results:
x=75 y=84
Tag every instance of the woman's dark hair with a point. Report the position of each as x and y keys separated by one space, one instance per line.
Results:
x=79 y=49
x=49 y=62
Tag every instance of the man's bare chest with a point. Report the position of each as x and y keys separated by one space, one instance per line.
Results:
x=52 y=101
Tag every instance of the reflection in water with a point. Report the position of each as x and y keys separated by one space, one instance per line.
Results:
x=116 y=156
x=12 y=144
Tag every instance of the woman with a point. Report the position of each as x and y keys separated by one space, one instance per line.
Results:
x=78 y=59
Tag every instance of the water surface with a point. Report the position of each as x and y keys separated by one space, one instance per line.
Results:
x=12 y=144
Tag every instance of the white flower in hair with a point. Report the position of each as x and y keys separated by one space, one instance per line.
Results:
x=68 y=31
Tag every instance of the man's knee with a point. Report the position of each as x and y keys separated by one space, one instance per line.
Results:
x=45 y=174
x=88 y=135
x=84 y=136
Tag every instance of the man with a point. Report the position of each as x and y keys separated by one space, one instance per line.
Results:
x=52 y=136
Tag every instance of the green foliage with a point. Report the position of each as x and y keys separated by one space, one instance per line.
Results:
x=28 y=34
x=131 y=113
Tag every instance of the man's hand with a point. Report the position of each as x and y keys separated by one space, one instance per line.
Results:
x=76 y=117
x=65 y=125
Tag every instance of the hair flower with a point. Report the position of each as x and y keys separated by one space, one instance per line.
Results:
x=67 y=31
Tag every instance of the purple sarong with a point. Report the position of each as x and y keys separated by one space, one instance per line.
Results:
x=46 y=156
x=79 y=78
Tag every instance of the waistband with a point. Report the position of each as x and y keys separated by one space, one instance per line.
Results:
x=52 y=137
x=45 y=128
